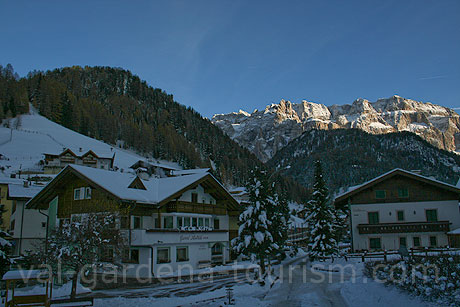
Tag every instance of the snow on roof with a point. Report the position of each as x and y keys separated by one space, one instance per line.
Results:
x=390 y=172
x=455 y=232
x=157 y=189
x=8 y=180
x=296 y=221
x=20 y=191
x=25 y=274
x=190 y=171
x=101 y=153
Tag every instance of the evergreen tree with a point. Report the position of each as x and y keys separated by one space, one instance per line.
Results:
x=256 y=236
x=278 y=214
x=321 y=219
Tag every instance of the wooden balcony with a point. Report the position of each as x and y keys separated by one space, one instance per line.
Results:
x=442 y=226
x=188 y=207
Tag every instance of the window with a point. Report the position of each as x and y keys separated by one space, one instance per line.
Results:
x=217 y=249
x=137 y=222
x=168 y=222
x=186 y=221
x=179 y=221
x=43 y=224
x=402 y=241
x=216 y=223
x=373 y=217
x=416 y=241
x=76 y=194
x=124 y=222
x=400 y=215
x=130 y=255
x=433 y=241
x=200 y=222
x=380 y=194
x=375 y=243
x=13 y=210
x=87 y=193
x=403 y=193
x=163 y=255
x=155 y=222
x=194 y=198
x=194 y=222
x=206 y=222
x=431 y=215
x=12 y=225
x=182 y=253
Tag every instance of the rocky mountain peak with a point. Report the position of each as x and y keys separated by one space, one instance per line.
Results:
x=265 y=132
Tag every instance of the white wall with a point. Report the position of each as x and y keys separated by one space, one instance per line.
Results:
x=202 y=196
x=413 y=212
x=33 y=229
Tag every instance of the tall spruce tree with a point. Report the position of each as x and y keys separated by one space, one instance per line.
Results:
x=261 y=226
x=321 y=219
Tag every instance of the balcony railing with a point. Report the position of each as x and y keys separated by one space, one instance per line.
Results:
x=442 y=226
x=182 y=206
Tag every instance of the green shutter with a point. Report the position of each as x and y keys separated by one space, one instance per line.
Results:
x=380 y=194
x=373 y=217
x=403 y=192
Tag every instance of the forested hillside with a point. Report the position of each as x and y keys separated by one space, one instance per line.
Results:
x=351 y=157
x=117 y=107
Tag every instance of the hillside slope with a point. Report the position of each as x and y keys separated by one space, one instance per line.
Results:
x=117 y=107
x=31 y=135
x=352 y=156
x=266 y=131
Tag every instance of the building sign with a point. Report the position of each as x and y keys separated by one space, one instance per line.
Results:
x=193 y=238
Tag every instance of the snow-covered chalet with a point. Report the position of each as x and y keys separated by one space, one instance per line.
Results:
x=401 y=208
x=171 y=220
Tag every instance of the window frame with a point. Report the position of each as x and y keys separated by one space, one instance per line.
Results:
x=194 y=197
x=369 y=213
x=384 y=194
x=429 y=219
x=170 y=224
x=379 y=240
x=135 y=217
x=216 y=223
x=75 y=192
x=187 y=257
x=158 y=254
x=403 y=195
x=88 y=195
x=435 y=241
x=405 y=239
x=403 y=215
x=419 y=241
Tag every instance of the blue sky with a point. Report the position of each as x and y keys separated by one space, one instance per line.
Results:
x=224 y=55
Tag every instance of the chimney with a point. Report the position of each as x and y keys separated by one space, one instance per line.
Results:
x=81 y=149
x=26 y=184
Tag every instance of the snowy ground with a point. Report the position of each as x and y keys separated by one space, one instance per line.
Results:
x=32 y=135
x=322 y=285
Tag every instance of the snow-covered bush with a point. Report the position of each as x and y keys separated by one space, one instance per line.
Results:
x=435 y=278
x=5 y=247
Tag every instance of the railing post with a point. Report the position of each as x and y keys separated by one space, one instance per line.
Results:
x=385 y=255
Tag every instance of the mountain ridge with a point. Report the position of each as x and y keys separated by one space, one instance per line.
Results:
x=264 y=132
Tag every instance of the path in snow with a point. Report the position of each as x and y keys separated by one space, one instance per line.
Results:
x=173 y=290
x=297 y=288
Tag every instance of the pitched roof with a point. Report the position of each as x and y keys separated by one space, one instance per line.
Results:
x=19 y=191
x=397 y=171
x=158 y=190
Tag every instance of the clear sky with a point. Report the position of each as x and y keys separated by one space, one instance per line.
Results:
x=220 y=56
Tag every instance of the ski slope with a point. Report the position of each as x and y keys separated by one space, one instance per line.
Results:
x=31 y=135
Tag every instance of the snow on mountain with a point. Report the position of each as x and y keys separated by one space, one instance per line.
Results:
x=22 y=146
x=266 y=131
